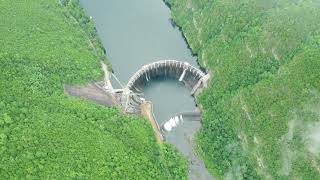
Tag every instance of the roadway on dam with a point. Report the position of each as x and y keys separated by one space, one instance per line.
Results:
x=139 y=32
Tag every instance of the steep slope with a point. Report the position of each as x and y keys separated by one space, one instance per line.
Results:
x=262 y=107
x=45 y=134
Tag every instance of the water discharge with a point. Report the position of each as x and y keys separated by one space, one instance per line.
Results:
x=138 y=32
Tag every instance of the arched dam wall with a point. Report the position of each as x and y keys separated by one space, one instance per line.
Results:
x=173 y=69
x=131 y=97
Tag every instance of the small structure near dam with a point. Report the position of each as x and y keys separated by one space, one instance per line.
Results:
x=131 y=96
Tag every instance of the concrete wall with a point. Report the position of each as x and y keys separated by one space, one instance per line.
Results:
x=131 y=100
x=165 y=69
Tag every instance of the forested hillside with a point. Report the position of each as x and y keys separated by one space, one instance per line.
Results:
x=262 y=108
x=44 y=134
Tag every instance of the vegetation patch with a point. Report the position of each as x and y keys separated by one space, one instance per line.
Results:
x=265 y=60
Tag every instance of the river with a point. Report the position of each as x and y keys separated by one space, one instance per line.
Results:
x=138 y=32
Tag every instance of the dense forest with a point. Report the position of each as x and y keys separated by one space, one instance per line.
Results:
x=262 y=107
x=261 y=110
x=45 y=134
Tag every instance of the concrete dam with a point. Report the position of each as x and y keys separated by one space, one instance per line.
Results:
x=131 y=96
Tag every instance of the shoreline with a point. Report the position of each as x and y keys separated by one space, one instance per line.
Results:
x=175 y=25
x=147 y=112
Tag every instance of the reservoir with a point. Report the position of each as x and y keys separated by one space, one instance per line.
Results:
x=139 y=32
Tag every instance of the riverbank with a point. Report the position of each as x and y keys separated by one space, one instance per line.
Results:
x=185 y=38
x=74 y=11
x=147 y=111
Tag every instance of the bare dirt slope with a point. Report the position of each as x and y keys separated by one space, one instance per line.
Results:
x=92 y=93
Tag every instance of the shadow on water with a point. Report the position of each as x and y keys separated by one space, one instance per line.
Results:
x=138 y=32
